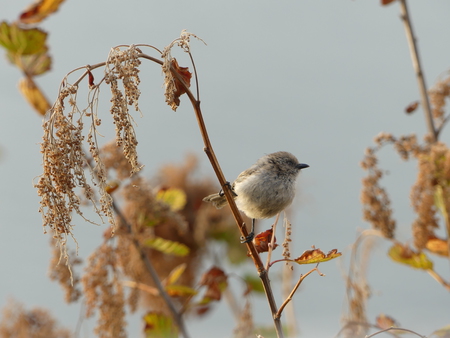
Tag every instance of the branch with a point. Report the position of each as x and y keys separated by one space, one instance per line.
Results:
x=262 y=272
x=291 y=295
x=418 y=69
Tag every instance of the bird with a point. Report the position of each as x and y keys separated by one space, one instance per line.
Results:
x=263 y=190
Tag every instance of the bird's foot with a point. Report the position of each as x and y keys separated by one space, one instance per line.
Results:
x=248 y=238
x=221 y=193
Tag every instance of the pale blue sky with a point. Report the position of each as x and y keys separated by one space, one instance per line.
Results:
x=317 y=78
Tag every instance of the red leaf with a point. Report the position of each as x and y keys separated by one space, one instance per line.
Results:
x=91 y=79
x=262 y=240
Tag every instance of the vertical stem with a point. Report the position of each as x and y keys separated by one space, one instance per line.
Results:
x=418 y=70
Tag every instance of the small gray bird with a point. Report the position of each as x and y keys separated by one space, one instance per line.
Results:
x=265 y=189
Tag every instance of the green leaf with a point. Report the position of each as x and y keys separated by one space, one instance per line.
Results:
x=404 y=255
x=158 y=325
x=167 y=246
x=22 y=41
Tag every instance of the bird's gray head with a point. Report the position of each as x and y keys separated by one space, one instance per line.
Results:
x=283 y=161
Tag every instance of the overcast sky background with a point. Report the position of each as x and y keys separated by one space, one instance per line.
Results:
x=317 y=78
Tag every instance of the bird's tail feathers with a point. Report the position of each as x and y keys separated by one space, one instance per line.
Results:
x=217 y=200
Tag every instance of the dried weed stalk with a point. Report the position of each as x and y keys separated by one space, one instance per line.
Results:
x=64 y=179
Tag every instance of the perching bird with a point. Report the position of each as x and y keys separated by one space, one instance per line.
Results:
x=265 y=189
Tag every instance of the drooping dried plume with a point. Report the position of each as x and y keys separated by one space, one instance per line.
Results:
x=72 y=166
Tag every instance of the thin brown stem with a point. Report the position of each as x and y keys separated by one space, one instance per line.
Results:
x=418 y=70
x=291 y=295
x=272 y=241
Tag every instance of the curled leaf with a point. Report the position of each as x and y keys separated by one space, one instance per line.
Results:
x=39 y=10
x=405 y=255
x=174 y=87
x=315 y=256
x=262 y=240
x=167 y=246
x=34 y=95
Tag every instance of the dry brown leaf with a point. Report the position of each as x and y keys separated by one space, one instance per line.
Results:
x=186 y=76
x=215 y=280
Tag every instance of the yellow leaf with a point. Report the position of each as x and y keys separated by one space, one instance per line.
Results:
x=315 y=256
x=180 y=291
x=39 y=11
x=405 y=255
x=167 y=246
x=175 y=274
x=22 y=41
x=175 y=198
x=33 y=95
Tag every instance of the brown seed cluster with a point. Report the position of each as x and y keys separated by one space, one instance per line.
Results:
x=123 y=65
x=287 y=240
x=63 y=163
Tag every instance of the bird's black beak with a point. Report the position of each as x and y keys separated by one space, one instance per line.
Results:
x=302 y=166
